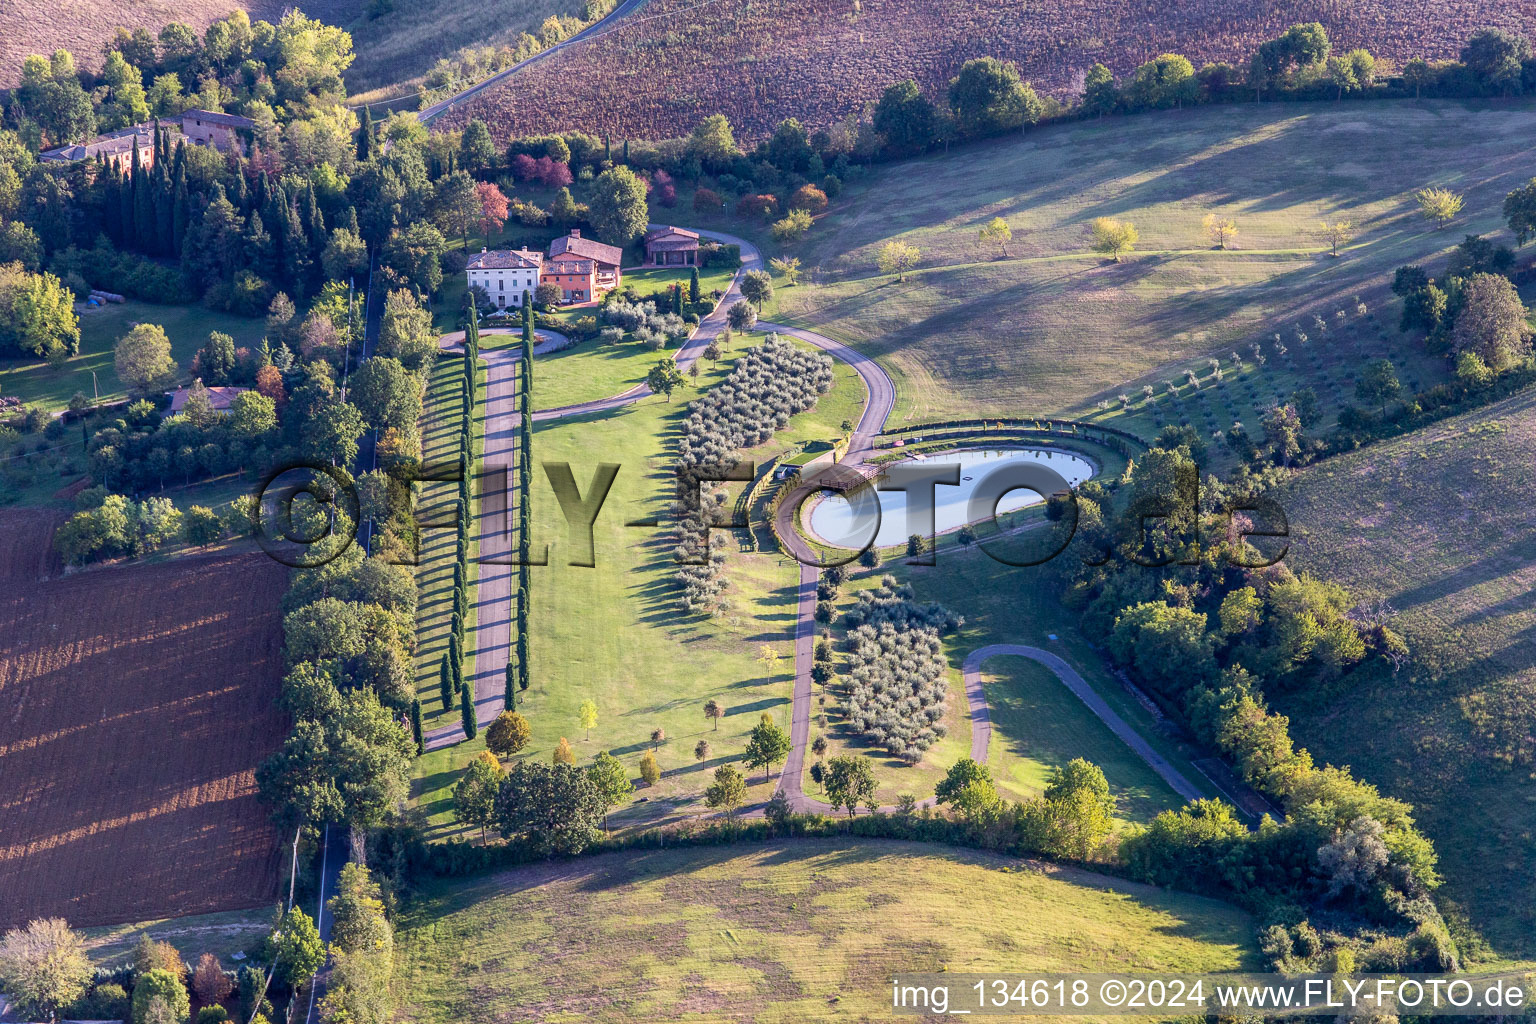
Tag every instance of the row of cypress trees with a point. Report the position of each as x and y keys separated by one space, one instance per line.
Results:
x=524 y=510
x=451 y=681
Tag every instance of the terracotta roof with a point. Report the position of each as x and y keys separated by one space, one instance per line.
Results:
x=112 y=144
x=505 y=259
x=680 y=233
x=586 y=247
x=570 y=267
x=210 y=117
x=222 y=399
x=673 y=245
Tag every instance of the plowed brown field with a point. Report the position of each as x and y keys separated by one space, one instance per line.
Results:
x=673 y=62
x=135 y=704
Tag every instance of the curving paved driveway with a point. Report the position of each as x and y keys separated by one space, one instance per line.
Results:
x=708 y=330
x=493 y=597
x=981 y=729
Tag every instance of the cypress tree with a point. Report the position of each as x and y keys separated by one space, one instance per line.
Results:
x=693 y=285
x=164 y=205
x=125 y=209
x=261 y=196
x=416 y=726
x=365 y=137
x=144 y=208
x=509 y=691
x=180 y=217
x=445 y=683
x=242 y=196
x=626 y=151
x=467 y=713
x=112 y=209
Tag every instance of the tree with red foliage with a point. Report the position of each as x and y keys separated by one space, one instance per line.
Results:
x=210 y=982
x=525 y=168
x=663 y=190
x=269 y=382
x=493 y=208
x=763 y=206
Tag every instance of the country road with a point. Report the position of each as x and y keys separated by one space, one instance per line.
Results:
x=599 y=27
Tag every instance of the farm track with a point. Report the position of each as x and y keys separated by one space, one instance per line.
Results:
x=598 y=27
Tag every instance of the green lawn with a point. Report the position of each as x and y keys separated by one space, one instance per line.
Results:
x=1038 y=724
x=187 y=326
x=779 y=932
x=1035 y=726
x=222 y=933
x=1051 y=328
x=594 y=370
x=613 y=633
x=1438 y=523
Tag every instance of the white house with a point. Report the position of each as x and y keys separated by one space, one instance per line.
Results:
x=505 y=274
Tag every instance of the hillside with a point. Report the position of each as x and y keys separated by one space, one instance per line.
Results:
x=1439 y=524
x=82 y=26
x=779 y=932
x=403 y=43
x=759 y=61
x=1052 y=327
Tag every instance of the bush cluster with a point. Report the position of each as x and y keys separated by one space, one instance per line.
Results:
x=897 y=688
x=769 y=384
x=641 y=321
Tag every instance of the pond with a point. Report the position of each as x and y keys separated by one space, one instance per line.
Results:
x=831 y=519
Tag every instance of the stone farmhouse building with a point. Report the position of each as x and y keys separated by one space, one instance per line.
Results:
x=672 y=247
x=113 y=148
x=606 y=260
x=224 y=132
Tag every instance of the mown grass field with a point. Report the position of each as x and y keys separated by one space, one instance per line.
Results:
x=188 y=327
x=1037 y=723
x=1052 y=328
x=593 y=369
x=613 y=633
x=1439 y=524
x=781 y=931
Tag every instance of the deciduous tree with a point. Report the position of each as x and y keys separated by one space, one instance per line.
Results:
x=1439 y=206
x=767 y=745
x=995 y=231
x=727 y=791
x=897 y=258
x=1113 y=237
x=618 y=209
x=849 y=781
x=142 y=358
x=43 y=967
x=553 y=808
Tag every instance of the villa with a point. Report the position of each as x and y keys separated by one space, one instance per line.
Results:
x=505 y=274
x=605 y=259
